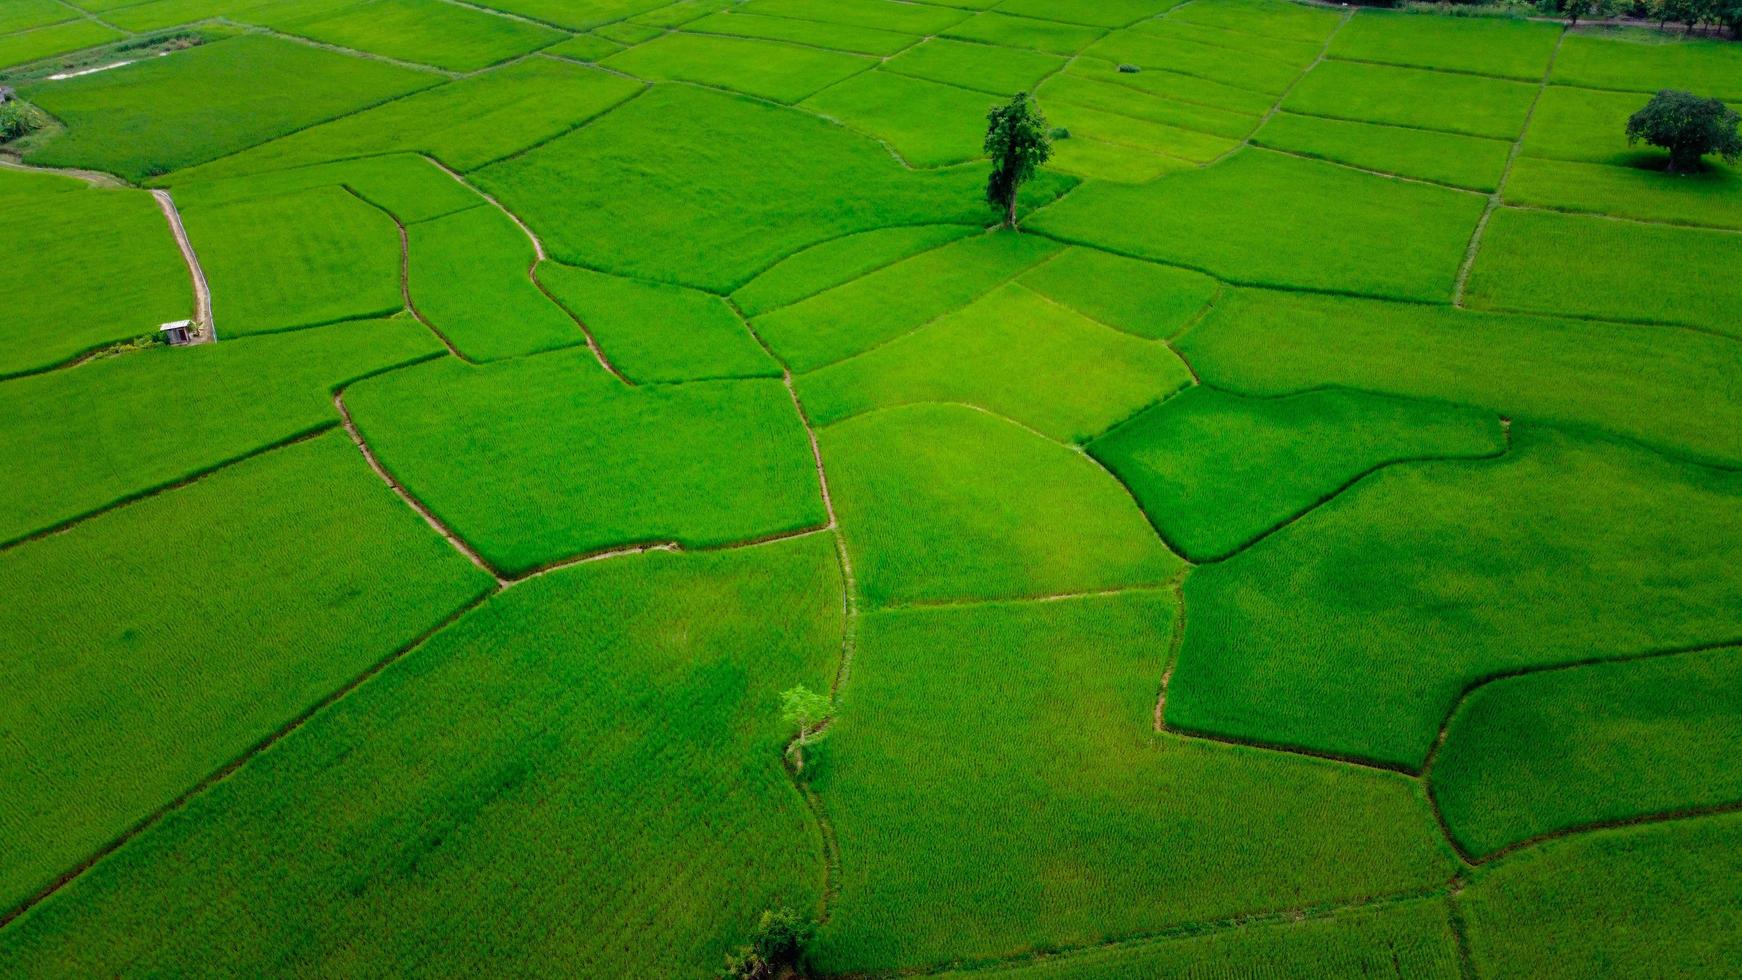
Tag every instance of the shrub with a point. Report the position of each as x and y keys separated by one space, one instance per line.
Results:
x=17 y=120
x=775 y=946
x=1689 y=127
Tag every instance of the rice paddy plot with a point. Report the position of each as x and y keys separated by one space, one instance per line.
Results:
x=1443 y=158
x=24 y=15
x=429 y=32
x=1104 y=13
x=920 y=120
x=1013 y=352
x=1008 y=30
x=408 y=187
x=192 y=106
x=1604 y=743
x=1095 y=92
x=922 y=492
x=1643 y=61
x=616 y=722
x=1711 y=198
x=155 y=15
x=295 y=260
x=1268 y=18
x=997 y=71
x=1575 y=373
x=1370 y=235
x=641 y=192
x=1216 y=471
x=1412 y=938
x=1660 y=900
x=1152 y=301
x=464 y=124
x=839 y=37
x=576 y=15
x=768 y=69
x=537 y=460
x=1356 y=629
x=996 y=786
x=46 y=42
x=897 y=299
x=1588 y=126
x=1139 y=136
x=1172 y=85
x=185 y=628
x=890 y=15
x=84 y=439
x=1434 y=100
x=469 y=275
x=1498 y=46
x=102 y=268
x=1095 y=160
x=655 y=331
x=838 y=261
x=1262 y=74
x=1592 y=266
x=1236 y=42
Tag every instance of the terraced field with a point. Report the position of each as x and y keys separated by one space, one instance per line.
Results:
x=1310 y=546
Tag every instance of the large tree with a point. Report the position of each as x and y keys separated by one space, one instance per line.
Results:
x=1689 y=127
x=1018 y=143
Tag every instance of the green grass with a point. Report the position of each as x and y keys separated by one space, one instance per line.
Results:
x=1173 y=85
x=896 y=299
x=465 y=124
x=1153 y=301
x=659 y=332
x=158 y=14
x=1588 y=126
x=1498 y=46
x=89 y=268
x=1712 y=197
x=404 y=185
x=616 y=723
x=1138 y=136
x=1444 y=158
x=995 y=70
x=1112 y=162
x=622 y=197
x=585 y=47
x=1355 y=630
x=1216 y=471
x=1574 y=373
x=428 y=32
x=1173 y=28
x=537 y=460
x=838 y=261
x=923 y=121
x=469 y=278
x=1096 y=92
x=1644 y=61
x=996 y=787
x=1656 y=901
x=205 y=102
x=83 y=439
x=1592 y=266
x=1013 y=352
x=1608 y=742
x=923 y=497
x=889 y=15
x=1409 y=939
x=1466 y=104
x=17 y=49
x=840 y=37
x=186 y=627
x=296 y=259
x=996 y=27
x=767 y=69
x=1369 y=234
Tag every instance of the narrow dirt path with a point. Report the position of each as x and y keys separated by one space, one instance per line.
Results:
x=206 y=331
x=96 y=178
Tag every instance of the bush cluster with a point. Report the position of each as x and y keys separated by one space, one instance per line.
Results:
x=774 y=948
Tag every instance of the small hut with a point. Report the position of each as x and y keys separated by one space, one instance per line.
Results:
x=177 y=332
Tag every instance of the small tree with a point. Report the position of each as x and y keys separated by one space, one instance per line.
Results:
x=1017 y=142
x=805 y=711
x=776 y=945
x=1689 y=127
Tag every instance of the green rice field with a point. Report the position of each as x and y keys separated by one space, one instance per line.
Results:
x=552 y=487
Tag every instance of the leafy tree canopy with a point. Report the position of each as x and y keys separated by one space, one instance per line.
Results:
x=1689 y=127
x=1017 y=140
